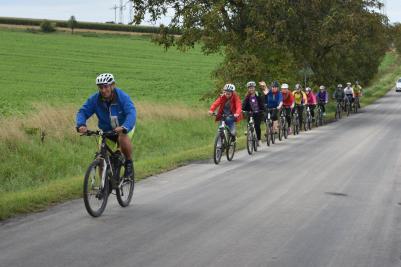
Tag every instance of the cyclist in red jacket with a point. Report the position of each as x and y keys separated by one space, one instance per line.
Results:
x=229 y=104
x=288 y=104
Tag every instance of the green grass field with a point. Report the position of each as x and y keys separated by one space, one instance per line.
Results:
x=46 y=77
x=61 y=68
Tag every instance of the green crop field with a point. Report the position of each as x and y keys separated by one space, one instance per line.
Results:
x=61 y=68
x=46 y=77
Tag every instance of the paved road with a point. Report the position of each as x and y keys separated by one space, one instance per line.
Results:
x=330 y=197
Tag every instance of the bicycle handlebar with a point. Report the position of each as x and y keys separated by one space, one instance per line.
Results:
x=100 y=133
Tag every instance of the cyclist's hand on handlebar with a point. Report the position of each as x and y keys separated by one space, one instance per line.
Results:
x=236 y=115
x=82 y=129
x=210 y=113
x=119 y=130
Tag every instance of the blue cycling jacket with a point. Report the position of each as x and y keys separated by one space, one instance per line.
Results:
x=272 y=100
x=120 y=112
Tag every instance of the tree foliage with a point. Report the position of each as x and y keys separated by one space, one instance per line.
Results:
x=72 y=24
x=338 y=40
x=47 y=26
x=395 y=33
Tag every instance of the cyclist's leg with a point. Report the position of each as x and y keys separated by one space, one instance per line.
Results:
x=230 y=122
x=274 y=117
x=124 y=141
x=288 y=116
x=301 y=113
x=323 y=107
x=312 y=110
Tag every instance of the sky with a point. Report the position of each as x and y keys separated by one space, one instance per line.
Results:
x=101 y=10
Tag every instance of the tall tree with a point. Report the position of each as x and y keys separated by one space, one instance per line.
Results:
x=72 y=24
x=273 y=39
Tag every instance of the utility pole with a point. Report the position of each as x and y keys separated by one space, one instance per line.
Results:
x=115 y=13
x=131 y=11
x=121 y=15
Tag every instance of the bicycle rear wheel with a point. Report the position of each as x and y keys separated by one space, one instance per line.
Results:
x=218 y=148
x=125 y=188
x=96 y=191
x=230 y=148
x=249 y=141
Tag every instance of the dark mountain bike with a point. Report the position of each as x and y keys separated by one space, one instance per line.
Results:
x=356 y=104
x=270 y=135
x=224 y=142
x=104 y=174
x=295 y=121
x=251 y=138
x=308 y=119
x=339 y=107
x=283 y=126
x=319 y=116
x=347 y=105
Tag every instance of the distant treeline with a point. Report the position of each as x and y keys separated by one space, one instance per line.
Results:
x=85 y=25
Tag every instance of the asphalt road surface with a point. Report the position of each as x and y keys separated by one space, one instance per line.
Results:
x=329 y=197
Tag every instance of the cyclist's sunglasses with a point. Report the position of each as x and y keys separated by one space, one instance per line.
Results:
x=101 y=86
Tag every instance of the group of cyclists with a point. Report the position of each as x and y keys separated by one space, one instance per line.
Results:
x=116 y=111
x=117 y=118
x=271 y=100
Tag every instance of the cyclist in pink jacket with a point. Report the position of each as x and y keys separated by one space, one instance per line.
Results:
x=311 y=101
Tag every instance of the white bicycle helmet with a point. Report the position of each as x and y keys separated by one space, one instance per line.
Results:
x=105 y=78
x=348 y=83
x=284 y=86
x=251 y=84
x=322 y=87
x=339 y=85
x=229 y=87
x=308 y=89
x=298 y=86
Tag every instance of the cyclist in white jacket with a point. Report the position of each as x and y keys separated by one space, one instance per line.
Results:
x=349 y=92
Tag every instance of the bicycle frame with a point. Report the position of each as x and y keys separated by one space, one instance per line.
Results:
x=104 y=153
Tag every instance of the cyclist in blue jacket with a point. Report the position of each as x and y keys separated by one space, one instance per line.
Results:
x=115 y=111
x=273 y=101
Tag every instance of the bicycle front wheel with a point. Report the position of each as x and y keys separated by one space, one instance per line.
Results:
x=255 y=141
x=249 y=141
x=272 y=134
x=218 y=148
x=281 y=131
x=268 y=135
x=125 y=188
x=96 y=191
x=285 y=130
x=230 y=149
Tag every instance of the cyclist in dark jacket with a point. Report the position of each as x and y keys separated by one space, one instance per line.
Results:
x=339 y=95
x=253 y=102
